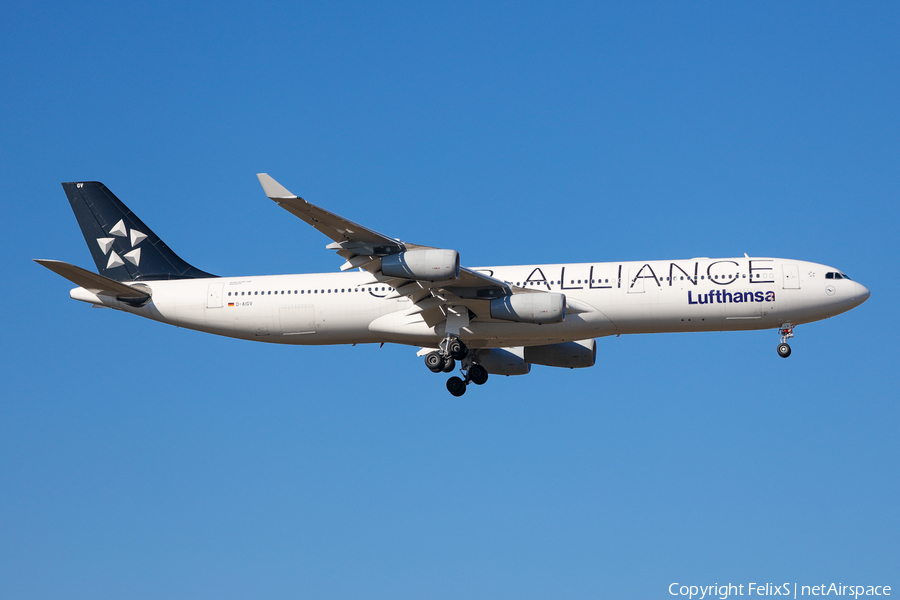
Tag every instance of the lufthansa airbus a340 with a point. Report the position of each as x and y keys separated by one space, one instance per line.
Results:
x=484 y=320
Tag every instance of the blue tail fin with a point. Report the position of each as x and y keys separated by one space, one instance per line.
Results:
x=123 y=247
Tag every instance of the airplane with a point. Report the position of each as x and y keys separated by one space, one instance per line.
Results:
x=482 y=320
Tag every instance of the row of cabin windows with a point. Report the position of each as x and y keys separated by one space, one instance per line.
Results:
x=661 y=279
x=557 y=282
x=325 y=291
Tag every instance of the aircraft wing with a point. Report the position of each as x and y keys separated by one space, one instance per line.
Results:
x=335 y=227
x=365 y=248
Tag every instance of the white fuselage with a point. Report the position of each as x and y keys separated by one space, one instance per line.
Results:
x=606 y=298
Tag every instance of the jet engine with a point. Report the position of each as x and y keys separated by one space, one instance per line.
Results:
x=503 y=361
x=540 y=308
x=425 y=265
x=572 y=355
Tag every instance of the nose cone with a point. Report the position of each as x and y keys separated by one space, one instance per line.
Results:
x=863 y=293
x=860 y=294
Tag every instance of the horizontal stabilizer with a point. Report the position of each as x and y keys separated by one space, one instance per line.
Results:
x=92 y=282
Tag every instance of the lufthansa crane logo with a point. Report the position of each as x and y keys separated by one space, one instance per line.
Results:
x=119 y=230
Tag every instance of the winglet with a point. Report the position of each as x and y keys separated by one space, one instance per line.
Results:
x=272 y=188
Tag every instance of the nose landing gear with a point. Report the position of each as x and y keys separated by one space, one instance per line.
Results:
x=787 y=332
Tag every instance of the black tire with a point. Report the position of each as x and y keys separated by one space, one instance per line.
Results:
x=784 y=350
x=457 y=349
x=449 y=365
x=478 y=374
x=434 y=361
x=456 y=386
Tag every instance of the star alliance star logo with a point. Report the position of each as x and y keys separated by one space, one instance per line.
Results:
x=119 y=230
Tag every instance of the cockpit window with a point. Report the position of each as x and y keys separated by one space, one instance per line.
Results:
x=843 y=275
x=833 y=275
x=829 y=275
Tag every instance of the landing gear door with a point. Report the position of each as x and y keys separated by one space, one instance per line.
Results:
x=214 y=295
x=791 y=277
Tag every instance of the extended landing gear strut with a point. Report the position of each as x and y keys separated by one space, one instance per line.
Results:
x=787 y=332
x=444 y=359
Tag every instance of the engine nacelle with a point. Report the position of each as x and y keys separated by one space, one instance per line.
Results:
x=540 y=308
x=572 y=355
x=504 y=361
x=425 y=265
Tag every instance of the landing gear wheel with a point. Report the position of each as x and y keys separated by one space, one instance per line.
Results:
x=456 y=386
x=457 y=349
x=784 y=350
x=478 y=374
x=434 y=361
x=449 y=365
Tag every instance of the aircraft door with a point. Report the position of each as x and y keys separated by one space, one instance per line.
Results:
x=214 y=295
x=791 y=277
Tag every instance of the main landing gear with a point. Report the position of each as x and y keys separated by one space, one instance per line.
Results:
x=787 y=332
x=444 y=360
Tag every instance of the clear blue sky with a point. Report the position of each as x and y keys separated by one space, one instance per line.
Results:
x=143 y=461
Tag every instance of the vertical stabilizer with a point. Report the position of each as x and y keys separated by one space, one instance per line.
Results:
x=123 y=247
